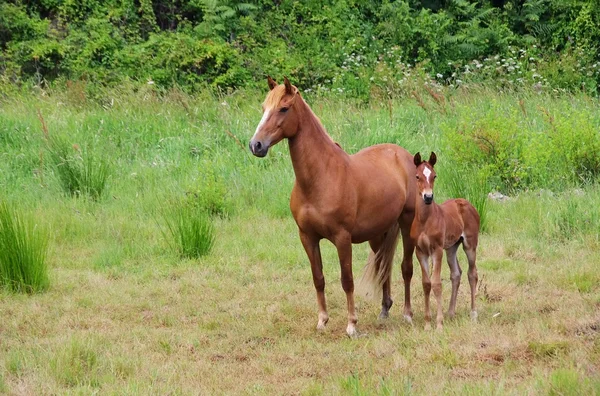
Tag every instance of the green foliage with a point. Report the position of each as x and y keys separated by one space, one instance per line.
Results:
x=23 y=247
x=467 y=183
x=189 y=229
x=343 y=46
x=79 y=171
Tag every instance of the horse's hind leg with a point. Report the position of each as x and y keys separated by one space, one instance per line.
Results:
x=471 y=252
x=386 y=299
x=455 y=274
x=313 y=251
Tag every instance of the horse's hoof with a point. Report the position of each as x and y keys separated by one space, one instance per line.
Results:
x=384 y=315
x=427 y=326
x=351 y=331
x=474 y=316
x=408 y=319
x=439 y=328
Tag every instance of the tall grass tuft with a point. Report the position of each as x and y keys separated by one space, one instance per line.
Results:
x=80 y=172
x=189 y=229
x=23 y=247
x=462 y=183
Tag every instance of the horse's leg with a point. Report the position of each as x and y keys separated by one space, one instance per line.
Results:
x=386 y=299
x=436 y=284
x=455 y=274
x=407 y=267
x=313 y=251
x=343 y=243
x=471 y=252
x=424 y=261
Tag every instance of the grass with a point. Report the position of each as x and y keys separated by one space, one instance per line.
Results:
x=189 y=229
x=23 y=248
x=126 y=313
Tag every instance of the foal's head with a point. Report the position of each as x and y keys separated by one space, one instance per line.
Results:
x=425 y=176
x=279 y=120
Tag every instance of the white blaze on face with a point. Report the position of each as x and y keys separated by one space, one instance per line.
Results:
x=427 y=173
x=264 y=119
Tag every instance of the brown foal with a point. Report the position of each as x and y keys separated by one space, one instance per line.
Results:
x=443 y=227
x=346 y=199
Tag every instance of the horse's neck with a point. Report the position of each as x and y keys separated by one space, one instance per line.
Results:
x=424 y=212
x=312 y=150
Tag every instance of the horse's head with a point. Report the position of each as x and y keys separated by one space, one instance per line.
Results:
x=425 y=176
x=280 y=117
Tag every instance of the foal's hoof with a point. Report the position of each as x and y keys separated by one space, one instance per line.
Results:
x=474 y=316
x=408 y=319
x=383 y=315
x=427 y=326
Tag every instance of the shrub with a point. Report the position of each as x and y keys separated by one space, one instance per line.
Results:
x=23 y=247
x=79 y=171
x=189 y=229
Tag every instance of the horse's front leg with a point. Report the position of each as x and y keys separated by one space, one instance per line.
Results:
x=343 y=243
x=424 y=261
x=313 y=251
x=436 y=284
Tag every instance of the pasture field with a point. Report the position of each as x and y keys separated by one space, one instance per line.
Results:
x=125 y=314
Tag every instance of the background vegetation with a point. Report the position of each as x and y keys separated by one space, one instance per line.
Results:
x=350 y=47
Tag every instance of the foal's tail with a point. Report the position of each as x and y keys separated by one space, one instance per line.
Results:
x=379 y=265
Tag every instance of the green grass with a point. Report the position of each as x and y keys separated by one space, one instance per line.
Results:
x=189 y=229
x=23 y=249
x=126 y=313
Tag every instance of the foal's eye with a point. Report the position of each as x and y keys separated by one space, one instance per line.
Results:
x=283 y=110
x=418 y=177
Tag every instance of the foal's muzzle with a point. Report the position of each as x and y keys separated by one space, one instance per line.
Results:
x=428 y=198
x=258 y=148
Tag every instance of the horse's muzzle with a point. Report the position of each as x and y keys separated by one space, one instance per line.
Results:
x=428 y=198
x=258 y=149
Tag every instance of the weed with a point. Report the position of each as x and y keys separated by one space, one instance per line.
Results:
x=23 y=247
x=79 y=171
x=189 y=229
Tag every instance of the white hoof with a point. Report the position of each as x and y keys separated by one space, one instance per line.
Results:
x=408 y=319
x=474 y=316
x=351 y=331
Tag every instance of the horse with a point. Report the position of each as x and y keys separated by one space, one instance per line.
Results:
x=443 y=227
x=346 y=199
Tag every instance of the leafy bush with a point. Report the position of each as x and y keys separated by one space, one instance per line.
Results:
x=23 y=247
x=80 y=172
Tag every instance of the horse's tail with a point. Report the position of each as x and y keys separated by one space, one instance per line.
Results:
x=379 y=265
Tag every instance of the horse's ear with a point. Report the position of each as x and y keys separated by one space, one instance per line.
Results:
x=432 y=159
x=288 y=87
x=418 y=159
x=271 y=82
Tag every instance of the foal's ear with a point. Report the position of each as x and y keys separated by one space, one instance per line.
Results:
x=271 y=82
x=418 y=160
x=432 y=159
x=288 y=87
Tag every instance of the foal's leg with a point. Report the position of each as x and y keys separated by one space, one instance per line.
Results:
x=313 y=251
x=455 y=274
x=343 y=243
x=424 y=261
x=436 y=284
x=407 y=268
x=471 y=252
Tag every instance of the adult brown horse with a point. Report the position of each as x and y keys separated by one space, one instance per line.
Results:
x=443 y=227
x=368 y=196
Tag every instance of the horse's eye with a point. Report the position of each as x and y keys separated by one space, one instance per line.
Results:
x=418 y=177
x=283 y=110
